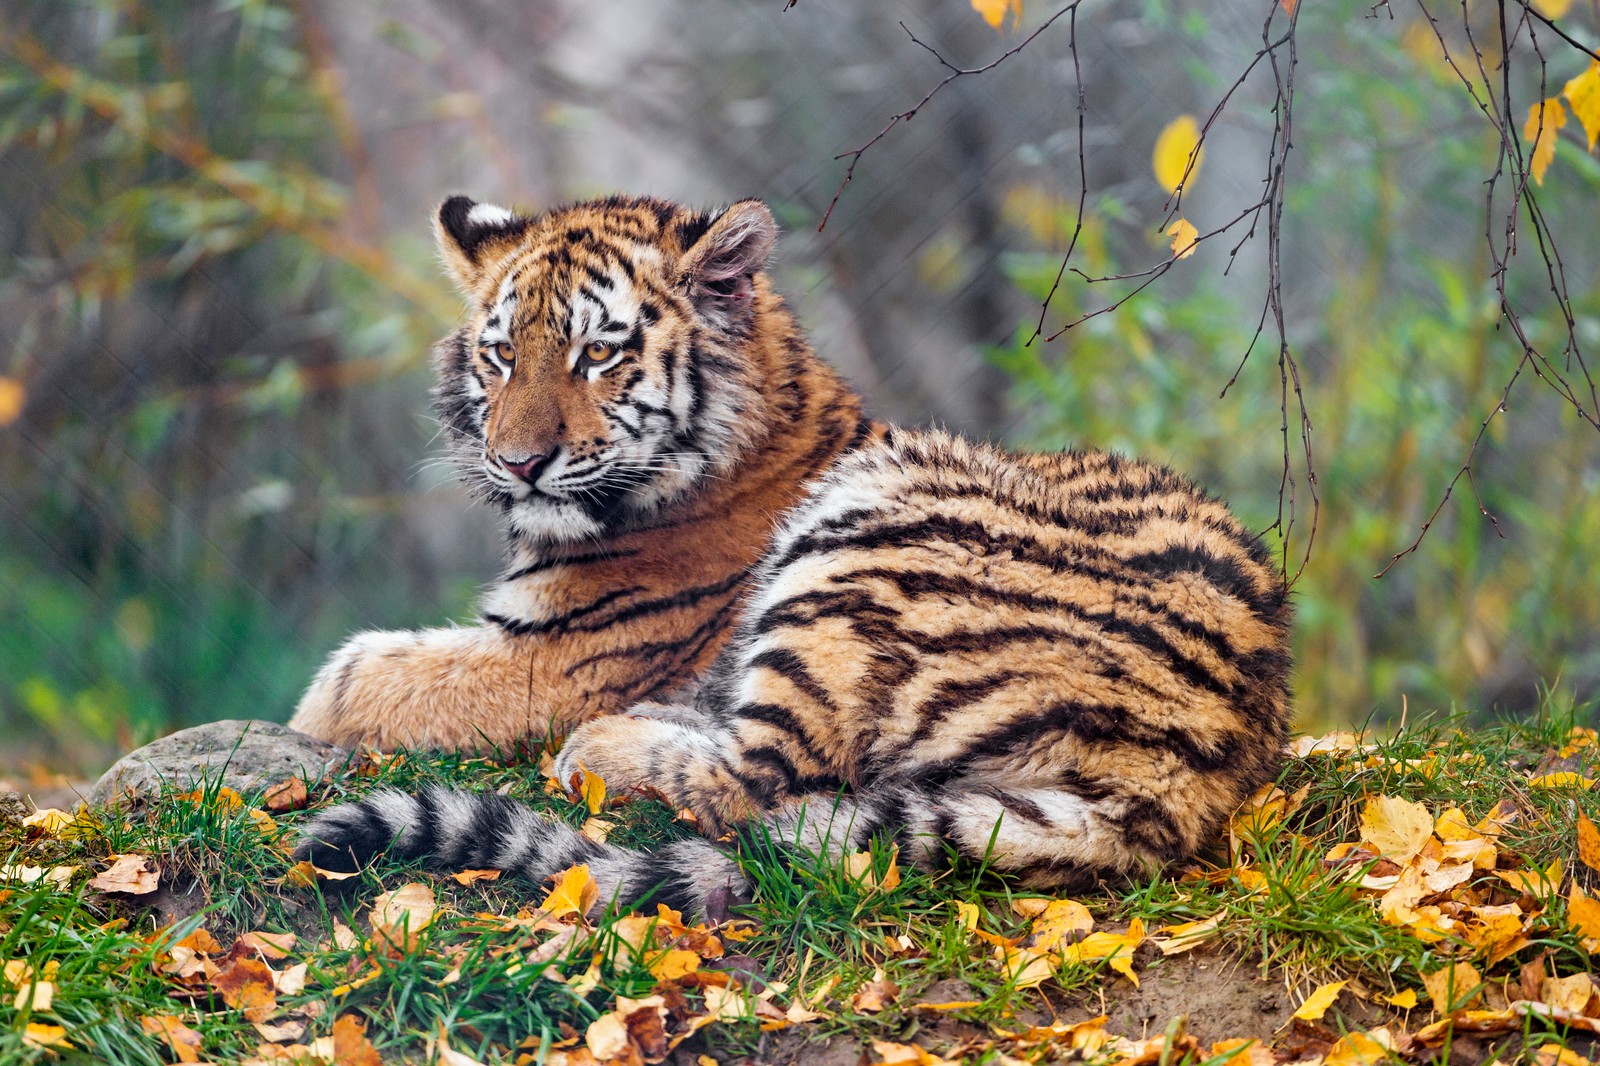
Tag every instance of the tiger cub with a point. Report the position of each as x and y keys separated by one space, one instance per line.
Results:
x=1067 y=665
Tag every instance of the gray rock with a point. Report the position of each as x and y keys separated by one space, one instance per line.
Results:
x=248 y=756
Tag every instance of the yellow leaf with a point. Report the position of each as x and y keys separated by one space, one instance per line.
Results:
x=1566 y=778
x=967 y=915
x=994 y=11
x=1116 y=948
x=1582 y=92
x=1177 y=144
x=1396 y=828
x=13 y=397
x=1544 y=119
x=1552 y=9
x=1568 y=993
x=1583 y=914
x=1454 y=987
x=1186 y=936
x=607 y=1036
x=1183 y=236
x=1556 y=1055
x=170 y=1030
x=1533 y=881
x=51 y=820
x=574 y=893
x=1356 y=1049
x=1061 y=920
x=673 y=964
x=592 y=788
x=1404 y=1000
x=1318 y=1002
x=48 y=1037
x=35 y=996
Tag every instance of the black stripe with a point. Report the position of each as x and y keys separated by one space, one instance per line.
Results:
x=787 y=664
x=570 y=560
x=560 y=622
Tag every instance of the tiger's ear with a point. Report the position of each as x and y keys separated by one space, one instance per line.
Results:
x=719 y=269
x=472 y=236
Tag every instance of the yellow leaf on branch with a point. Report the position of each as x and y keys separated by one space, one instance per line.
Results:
x=1177 y=144
x=1544 y=120
x=1582 y=93
x=1184 y=236
x=994 y=12
x=1552 y=9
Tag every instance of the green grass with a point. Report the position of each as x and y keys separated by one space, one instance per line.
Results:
x=819 y=933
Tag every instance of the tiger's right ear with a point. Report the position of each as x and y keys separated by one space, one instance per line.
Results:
x=472 y=236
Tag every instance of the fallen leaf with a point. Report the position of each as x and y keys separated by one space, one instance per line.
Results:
x=47 y=1037
x=399 y=917
x=344 y=937
x=1453 y=988
x=967 y=915
x=1186 y=936
x=34 y=996
x=1396 y=828
x=1583 y=914
x=49 y=821
x=875 y=995
x=1588 y=842
x=1356 y=1049
x=574 y=893
x=1177 y=143
x=592 y=787
x=1568 y=993
x=304 y=875
x=1318 y=1002
x=1116 y=948
x=1566 y=778
x=246 y=985
x=287 y=795
x=170 y=1030
x=290 y=1029
x=606 y=1036
x=469 y=877
x=891 y=1054
x=1404 y=1000
x=135 y=875
x=597 y=829
x=1061 y=921
x=673 y=964
x=350 y=1044
x=1184 y=237
x=268 y=945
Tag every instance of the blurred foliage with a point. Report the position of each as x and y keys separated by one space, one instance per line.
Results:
x=1398 y=333
x=192 y=487
x=204 y=484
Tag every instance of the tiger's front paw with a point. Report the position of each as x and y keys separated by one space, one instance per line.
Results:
x=628 y=754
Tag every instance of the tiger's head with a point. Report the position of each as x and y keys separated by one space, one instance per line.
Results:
x=603 y=370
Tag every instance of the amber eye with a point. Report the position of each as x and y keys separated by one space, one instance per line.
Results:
x=594 y=354
x=502 y=352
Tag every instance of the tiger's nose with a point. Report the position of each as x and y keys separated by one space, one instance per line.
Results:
x=527 y=469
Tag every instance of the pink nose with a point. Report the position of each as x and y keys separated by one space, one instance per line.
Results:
x=526 y=469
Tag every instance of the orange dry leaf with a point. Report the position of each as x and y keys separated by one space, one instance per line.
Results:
x=858 y=865
x=1588 y=842
x=304 y=875
x=875 y=995
x=892 y=1054
x=246 y=985
x=399 y=917
x=468 y=877
x=170 y=1030
x=574 y=893
x=287 y=795
x=1356 y=1049
x=268 y=945
x=1116 y=948
x=136 y=875
x=1583 y=914
x=350 y=1044
x=1583 y=93
x=673 y=964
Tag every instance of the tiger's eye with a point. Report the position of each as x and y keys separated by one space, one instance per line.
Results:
x=503 y=350
x=597 y=350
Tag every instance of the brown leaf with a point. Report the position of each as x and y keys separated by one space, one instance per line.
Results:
x=1588 y=842
x=246 y=984
x=170 y=1030
x=269 y=945
x=875 y=994
x=287 y=795
x=200 y=942
x=135 y=875
x=350 y=1044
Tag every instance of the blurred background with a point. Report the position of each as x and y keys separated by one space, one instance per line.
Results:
x=218 y=291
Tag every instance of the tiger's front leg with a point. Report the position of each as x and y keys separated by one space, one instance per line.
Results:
x=456 y=688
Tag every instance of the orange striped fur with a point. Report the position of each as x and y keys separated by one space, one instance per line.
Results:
x=1070 y=665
